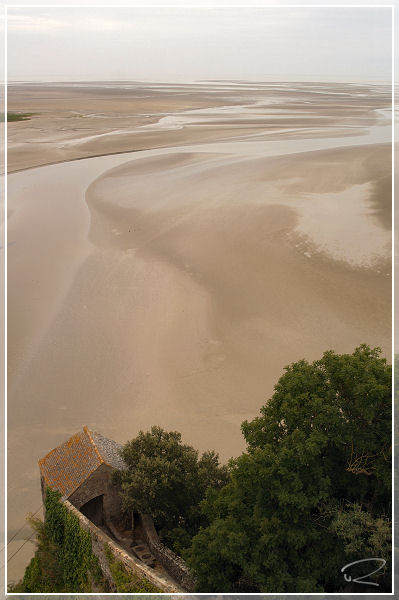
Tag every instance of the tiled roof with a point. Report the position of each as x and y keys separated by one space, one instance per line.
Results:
x=109 y=450
x=66 y=467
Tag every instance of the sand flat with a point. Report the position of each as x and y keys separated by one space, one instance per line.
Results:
x=78 y=120
x=172 y=284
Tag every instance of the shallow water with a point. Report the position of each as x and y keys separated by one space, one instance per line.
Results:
x=48 y=231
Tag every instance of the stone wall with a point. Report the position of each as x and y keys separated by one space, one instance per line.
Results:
x=99 y=483
x=170 y=561
x=133 y=565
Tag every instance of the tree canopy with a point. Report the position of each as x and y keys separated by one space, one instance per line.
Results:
x=312 y=492
x=167 y=479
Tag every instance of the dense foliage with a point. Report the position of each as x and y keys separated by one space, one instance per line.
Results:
x=312 y=492
x=167 y=480
x=63 y=561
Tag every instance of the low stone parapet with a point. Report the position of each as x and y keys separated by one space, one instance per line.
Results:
x=99 y=539
x=168 y=559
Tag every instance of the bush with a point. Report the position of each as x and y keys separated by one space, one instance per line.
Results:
x=63 y=561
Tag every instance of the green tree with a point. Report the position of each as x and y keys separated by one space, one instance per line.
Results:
x=166 y=479
x=365 y=536
x=323 y=439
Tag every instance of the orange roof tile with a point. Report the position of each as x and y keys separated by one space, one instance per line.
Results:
x=66 y=467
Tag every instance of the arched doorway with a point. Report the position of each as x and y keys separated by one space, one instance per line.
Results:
x=94 y=510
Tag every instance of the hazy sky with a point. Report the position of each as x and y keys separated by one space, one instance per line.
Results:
x=185 y=44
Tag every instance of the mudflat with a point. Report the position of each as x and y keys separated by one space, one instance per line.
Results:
x=223 y=231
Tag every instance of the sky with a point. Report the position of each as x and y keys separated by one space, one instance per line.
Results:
x=188 y=44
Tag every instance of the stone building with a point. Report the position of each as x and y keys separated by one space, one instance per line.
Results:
x=81 y=470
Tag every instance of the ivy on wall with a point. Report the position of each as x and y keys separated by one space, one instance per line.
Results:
x=64 y=560
x=125 y=581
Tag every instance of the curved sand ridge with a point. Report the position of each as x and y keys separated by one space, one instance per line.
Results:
x=205 y=275
x=341 y=197
x=182 y=288
x=209 y=262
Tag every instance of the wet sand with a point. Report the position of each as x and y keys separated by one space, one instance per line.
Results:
x=171 y=286
x=79 y=120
